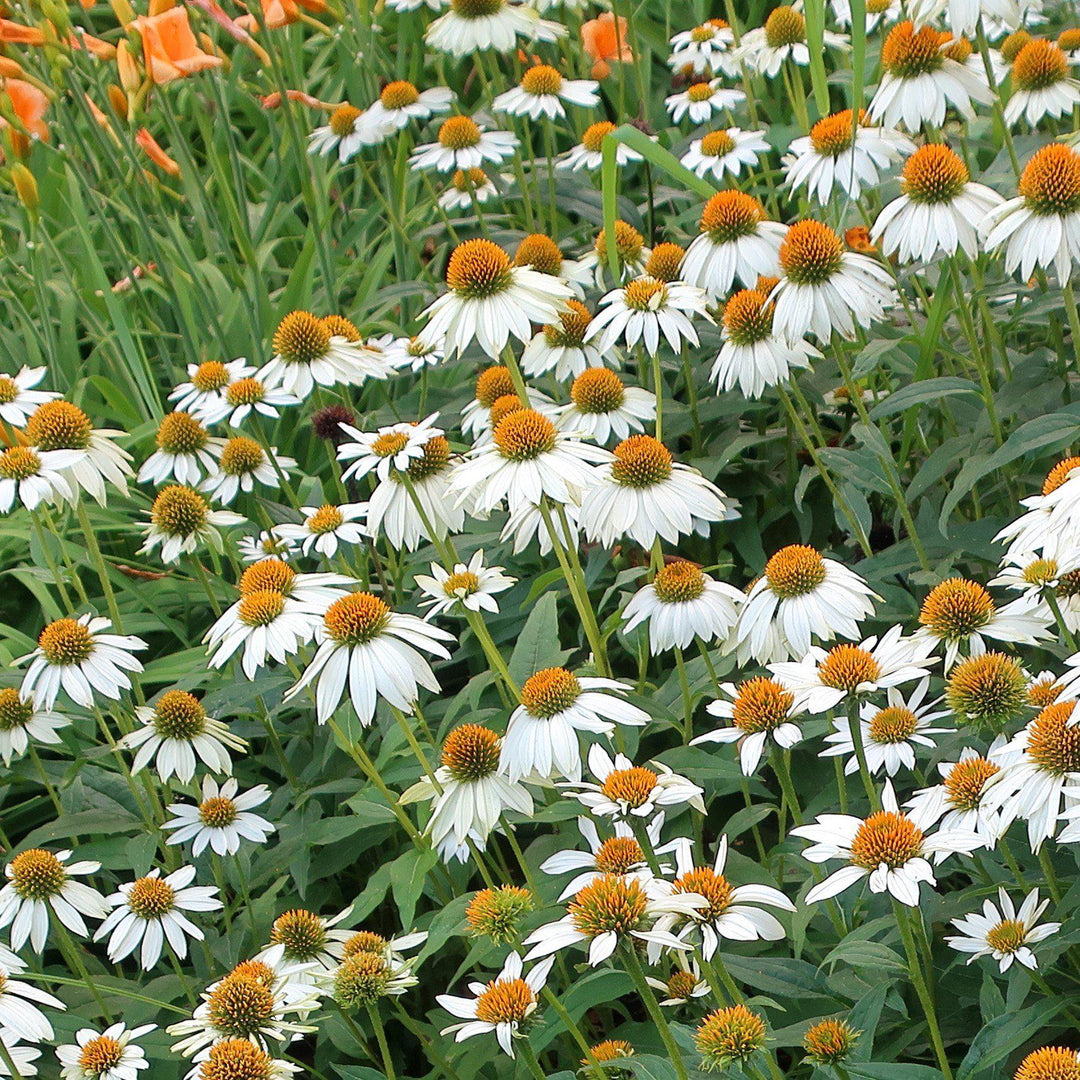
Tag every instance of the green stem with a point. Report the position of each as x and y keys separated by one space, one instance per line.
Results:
x=380 y=1038
x=652 y=1006
x=855 y=728
x=915 y=967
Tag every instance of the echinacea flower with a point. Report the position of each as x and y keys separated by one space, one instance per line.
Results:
x=830 y=1041
x=40 y=885
x=939 y=208
x=707 y=47
x=1006 y=934
x=560 y=347
x=111 y=1054
x=375 y=652
x=347 y=131
x=182 y=521
x=400 y=102
x=243 y=463
x=472 y=586
x=472 y=26
x=1049 y=1062
x=80 y=658
x=182 y=452
x=176 y=734
x=631 y=254
x=602 y=406
x=963 y=16
x=151 y=911
x=544 y=92
x=221 y=820
x=701 y=100
x=505 y=1006
x=683 y=985
x=988 y=690
x=462 y=143
x=1041 y=84
x=206 y=382
x=326 y=527
x=783 y=37
x=19 y=1012
x=466 y=187
x=21 y=720
x=394 y=447
x=647 y=310
x=682 y=603
x=890 y=848
x=489 y=299
x=725 y=150
x=959 y=801
x=541 y=738
x=35 y=477
x=588 y=154
x=242 y=397
x=18 y=398
x=365 y=976
x=241 y=1058
x=760 y=711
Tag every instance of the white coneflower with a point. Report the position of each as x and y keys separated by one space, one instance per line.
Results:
x=783 y=37
x=78 y=657
x=588 y=154
x=680 y=604
x=19 y=1012
x=842 y=154
x=878 y=12
x=526 y=523
x=541 y=740
x=649 y=310
x=400 y=102
x=560 y=347
x=242 y=463
x=1050 y=527
x=496 y=396
x=182 y=521
x=151 y=911
x=959 y=801
x=919 y=81
x=264 y=545
x=373 y=651
x=504 y=1006
x=394 y=447
x=465 y=186
x=804 y=596
x=683 y=985
x=462 y=143
x=890 y=848
x=643 y=493
x=18 y=398
x=602 y=406
x=963 y=16
x=478 y=25
x=488 y=299
x=527 y=459
x=736 y=240
x=822 y=680
x=326 y=527
x=544 y=92
x=414 y=354
x=825 y=289
x=624 y=790
x=245 y=396
x=707 y=47
x=222 y=820
x=468 y=794
x=40 y=885
x=347 y=131
x=939 y=208
x=182 y=452
x=726 y=150
x=760 y=711
x=1041 y=226
x=632 y=254
x=35 y=477
x=1041 y=84
x=701 y=100
x=241 y=1058
x=111 y=1054
x=206 y=382
x=176 y=734
x=889 y=733
x=471 y=585
x=21 y=720
x=752 y=356
x=1005 y=934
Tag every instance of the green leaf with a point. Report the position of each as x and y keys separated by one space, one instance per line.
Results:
x=919 y=392
x=408 y=873
x=887 y=1071
x=1005 y=1033
x=538 y=645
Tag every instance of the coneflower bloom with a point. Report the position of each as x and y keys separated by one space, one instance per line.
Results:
x=488 y=299
x=760 y=711
x=959 y=802
x=20 y=1016
x=1041 y=84
x=465 y=186
x=176 y=734
x=683 y=985
x=182 y=521
x=245 y=396
x=919 y=81
x=40 y=885
x=80 y=658
x=963 y=16
x=205 y=384
x=708 y=47
x=21 y=720
x=375 y=652
x=822 y=680
x=347 y=130
x=388 y=449
x=726 y=150
x=326 y=527
x=589 y=154
x=735 y=239
x=544 y=92
x=560 y=347
x=35 y=477
x=939 y=209
x=495 y=387
x=242 y=463
x=803 y=596
x=472 y=586
x=842 y=154
x=890 y=848
x=541 y=740
x=111 y=1054
x=478 y=25
x=221 y=820
x=539 y=252
x=400 y=102
x=1041 y=226
x=648 y=310
x=682 y=603
x=630 y=248
x=783 y=37
x=877 y=13
x=643 y=493
x=752 y=357
x=728 y=1036
x=462 y=143
x=1005 y=934
x=505 y=1006
x=825 y=289
x=182 y=452
x=469 y=793
x=18 y=398
x=701 y=100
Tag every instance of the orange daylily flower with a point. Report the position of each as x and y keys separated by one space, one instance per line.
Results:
x=170 y=48
x=278 y=13
x=154 y=151
x=29 y=105
x=16 y=34
x=604 y=39
x=273 y=101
